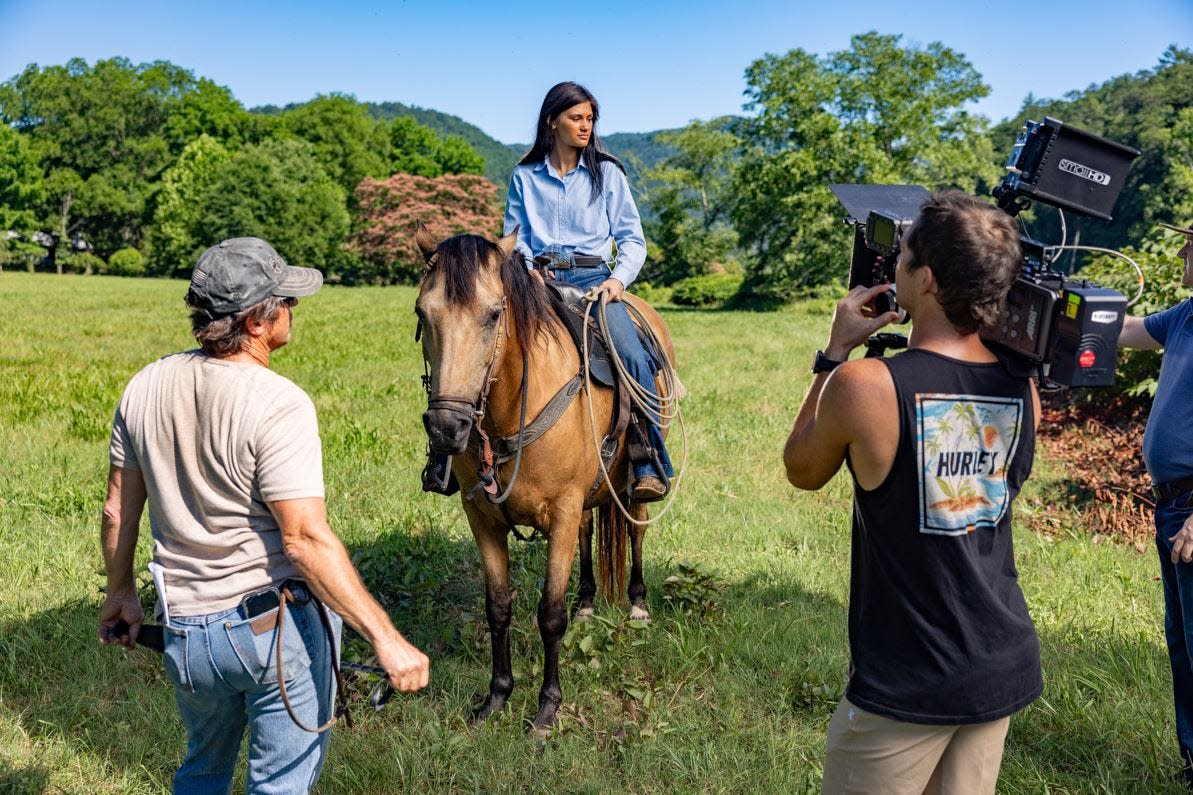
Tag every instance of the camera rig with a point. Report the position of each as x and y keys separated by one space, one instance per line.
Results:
x=1062 y=328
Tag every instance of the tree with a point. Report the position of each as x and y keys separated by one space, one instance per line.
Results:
x=690 y=193
x=22 y=183
x=276 y=191
x=103 y=135
x=1152 y=111
x=418 y=150
x=174 y=242
x=383 y=235
x=348 y=143
x=877 y=112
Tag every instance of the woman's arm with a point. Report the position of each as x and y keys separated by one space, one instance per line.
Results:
x=625 y=225
x=515 y=216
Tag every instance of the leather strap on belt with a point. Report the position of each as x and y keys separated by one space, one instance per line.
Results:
x=341 y=692
x=1173 y=488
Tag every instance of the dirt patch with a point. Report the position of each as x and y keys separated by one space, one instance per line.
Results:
x=1102 y=487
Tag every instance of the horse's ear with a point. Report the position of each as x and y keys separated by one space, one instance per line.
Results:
x=508 y=243
x=426 y=243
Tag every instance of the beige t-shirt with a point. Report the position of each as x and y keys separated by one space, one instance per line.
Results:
x=215 y=441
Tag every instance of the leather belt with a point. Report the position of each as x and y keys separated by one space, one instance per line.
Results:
x=570 y=262
x=1173 y=488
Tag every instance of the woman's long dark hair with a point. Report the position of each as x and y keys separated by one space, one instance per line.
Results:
x=561 y=97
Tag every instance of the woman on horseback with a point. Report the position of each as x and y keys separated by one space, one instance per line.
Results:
x=570 y=202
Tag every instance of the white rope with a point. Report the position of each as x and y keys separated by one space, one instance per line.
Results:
x=670 y=381
x=1121 y=255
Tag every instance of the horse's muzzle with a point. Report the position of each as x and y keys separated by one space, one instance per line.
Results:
x=447 y=429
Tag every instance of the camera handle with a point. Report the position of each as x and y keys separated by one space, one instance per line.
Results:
x=879 y=344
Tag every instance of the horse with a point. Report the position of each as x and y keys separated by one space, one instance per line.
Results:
x=497 y=354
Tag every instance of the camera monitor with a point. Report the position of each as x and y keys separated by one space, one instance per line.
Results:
x=1066 y=167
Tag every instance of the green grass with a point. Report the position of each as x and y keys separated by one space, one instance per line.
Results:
x=730 y=687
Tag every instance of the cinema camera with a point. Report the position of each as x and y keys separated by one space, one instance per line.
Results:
x=1062 y=328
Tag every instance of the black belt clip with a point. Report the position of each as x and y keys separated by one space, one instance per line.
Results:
x=1171 y=489
x=262 y=601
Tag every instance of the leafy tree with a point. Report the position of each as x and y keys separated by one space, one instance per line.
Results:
x=277 y=191
x=877 y=112
x=174 y=241
x=22 y=183
x=690 y=193
x=383 y=234
x=1150 y=111
x=348 y=143
x=210 y=109
x=103 y=136
x=418 y=150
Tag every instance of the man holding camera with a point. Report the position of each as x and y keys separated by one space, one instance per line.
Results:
x=1168 y=456
x=227 y=454
x=938 y=439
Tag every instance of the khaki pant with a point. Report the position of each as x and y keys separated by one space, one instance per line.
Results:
x=868 y=753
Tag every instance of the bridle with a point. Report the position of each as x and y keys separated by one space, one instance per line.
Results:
x=473 y=410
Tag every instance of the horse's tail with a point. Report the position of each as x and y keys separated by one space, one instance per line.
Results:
x=612 y=533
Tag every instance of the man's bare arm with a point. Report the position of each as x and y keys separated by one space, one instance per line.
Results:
x=118 y=538
x=323 y=562
x=1134 y=335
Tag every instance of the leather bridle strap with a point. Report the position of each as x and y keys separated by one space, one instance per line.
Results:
x=341 y=707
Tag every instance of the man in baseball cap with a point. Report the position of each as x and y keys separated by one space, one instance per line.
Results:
x=1168 y=455
x=227 y=454
x=243 y=271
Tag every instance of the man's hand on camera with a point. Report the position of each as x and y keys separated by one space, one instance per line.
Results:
x=1182 y=543
x=854 y=321
x=408 y=668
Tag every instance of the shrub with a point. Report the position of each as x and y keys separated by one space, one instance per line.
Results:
x=83 y=262
x=126 y=262
x=712 y=288
x=383 y=236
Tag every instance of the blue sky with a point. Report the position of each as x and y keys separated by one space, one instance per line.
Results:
x=652 y=65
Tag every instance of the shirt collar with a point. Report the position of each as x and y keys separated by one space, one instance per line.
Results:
x=543 y=165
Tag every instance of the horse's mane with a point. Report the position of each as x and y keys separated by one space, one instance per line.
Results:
x=459 y=260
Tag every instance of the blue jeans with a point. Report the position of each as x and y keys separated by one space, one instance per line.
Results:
x=637 y=361
x=1171 y=513
x=225 y=678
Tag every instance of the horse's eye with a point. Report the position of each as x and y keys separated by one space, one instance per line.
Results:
x=494 y=314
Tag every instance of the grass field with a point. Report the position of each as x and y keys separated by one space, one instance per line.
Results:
x=729 y=689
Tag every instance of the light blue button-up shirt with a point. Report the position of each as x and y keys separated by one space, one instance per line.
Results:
x=554 y=213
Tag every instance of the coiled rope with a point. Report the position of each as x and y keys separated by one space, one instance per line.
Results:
x=657 y=408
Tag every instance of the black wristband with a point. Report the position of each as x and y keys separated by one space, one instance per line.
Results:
x=823 y=364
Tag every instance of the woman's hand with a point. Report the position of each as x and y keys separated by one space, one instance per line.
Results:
x=613 y=288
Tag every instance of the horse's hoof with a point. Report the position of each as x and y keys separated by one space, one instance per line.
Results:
x=638 y=613
x=584 y=613
x=486 y=710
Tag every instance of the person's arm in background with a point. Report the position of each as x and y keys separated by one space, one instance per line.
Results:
x=1134 y=334
x=516 y=219
x=118 y=538
x=323 y=562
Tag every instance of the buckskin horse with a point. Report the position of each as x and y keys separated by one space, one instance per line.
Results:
x=498 y=355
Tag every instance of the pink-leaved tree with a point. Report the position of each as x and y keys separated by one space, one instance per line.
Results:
x=382 y=239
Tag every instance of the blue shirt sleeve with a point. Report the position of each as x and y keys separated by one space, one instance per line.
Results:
x=625 y=225
x=1160 y=324
x=515 y=216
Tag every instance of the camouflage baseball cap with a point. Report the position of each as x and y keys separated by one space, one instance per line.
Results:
x=243 y=271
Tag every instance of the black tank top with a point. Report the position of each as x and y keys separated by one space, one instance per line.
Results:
x=938 y=628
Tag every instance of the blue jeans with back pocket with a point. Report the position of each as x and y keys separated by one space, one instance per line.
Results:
x=1171 y=514
x=225 y=678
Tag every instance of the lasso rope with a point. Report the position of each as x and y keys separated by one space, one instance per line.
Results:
x=662 y=406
